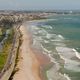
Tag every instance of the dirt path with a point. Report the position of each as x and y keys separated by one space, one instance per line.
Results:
x=28 y=64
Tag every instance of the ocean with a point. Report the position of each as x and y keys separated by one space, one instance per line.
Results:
x=59 y=38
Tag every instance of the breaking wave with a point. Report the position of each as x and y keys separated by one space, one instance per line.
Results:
x=52 y=44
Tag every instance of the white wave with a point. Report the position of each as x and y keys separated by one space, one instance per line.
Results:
x=47 y=26
x=40 y=38
x=35 y=32
x=52 y=19
x=37 y=39
x=46 y=49
x=46 y=41
x=66 y=76
x=36 y=44
x=43 y=32
x=51 y=58
x=67 y=18
x=72 y=65
x=60 y=36
x=50 y=27
x=61 y=56
x=34 y=41
x=50 y=79
x=77 y=54
x=53 y=73
x=59 y=44
x=34 y=27
x=48 y=36
x=67 y=54
x=56 y=40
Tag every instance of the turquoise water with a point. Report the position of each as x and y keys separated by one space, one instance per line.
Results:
x=59 y=38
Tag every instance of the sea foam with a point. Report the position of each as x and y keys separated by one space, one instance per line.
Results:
x=68 y=78
x=60 y=36
x=77 y=54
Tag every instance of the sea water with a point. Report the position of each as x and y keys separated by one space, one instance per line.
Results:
x=59 y=37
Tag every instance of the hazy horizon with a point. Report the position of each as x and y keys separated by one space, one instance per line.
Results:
x=39 y=5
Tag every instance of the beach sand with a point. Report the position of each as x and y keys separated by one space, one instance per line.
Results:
x=29 y=63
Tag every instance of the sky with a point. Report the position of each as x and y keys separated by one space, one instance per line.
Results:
x=39 y=4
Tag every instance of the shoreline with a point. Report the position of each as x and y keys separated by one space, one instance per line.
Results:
x=30 y=64
x=58 y=65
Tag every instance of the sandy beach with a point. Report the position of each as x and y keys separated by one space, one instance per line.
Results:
x=29 y=63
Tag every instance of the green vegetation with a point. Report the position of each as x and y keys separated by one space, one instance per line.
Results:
x=0 y=32
x=6 y=49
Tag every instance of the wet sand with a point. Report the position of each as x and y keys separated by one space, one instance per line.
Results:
x=29 y=63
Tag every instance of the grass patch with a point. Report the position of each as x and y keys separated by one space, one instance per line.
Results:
x=6 y=49
x=3 y=57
